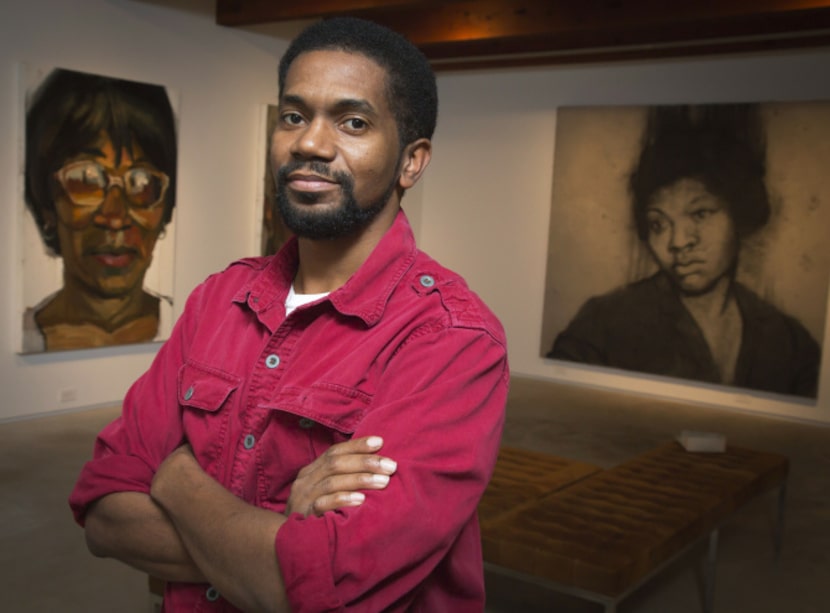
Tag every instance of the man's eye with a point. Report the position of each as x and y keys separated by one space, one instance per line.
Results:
x=701 y=214
x=355 y=124
x=292 y=119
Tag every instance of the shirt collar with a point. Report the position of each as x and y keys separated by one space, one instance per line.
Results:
x=367 y=292
x=364 y=295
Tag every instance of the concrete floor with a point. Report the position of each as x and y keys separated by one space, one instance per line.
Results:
x=44 y=565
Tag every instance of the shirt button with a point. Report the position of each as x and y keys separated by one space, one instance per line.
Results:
x=212 y=594
x=272 y=361
x=250 y=441
x=306 y=423
x=427 y=281
x=189 y=393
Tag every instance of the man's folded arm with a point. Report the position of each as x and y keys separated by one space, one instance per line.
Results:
x=131 y=527
x=233 y=541
x=229 y=539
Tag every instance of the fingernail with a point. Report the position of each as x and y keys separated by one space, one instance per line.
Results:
x=374 y=442
x=356 y=498
x=380 y=479
x=388 y=465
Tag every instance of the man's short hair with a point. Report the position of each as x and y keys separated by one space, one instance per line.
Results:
x=411 y=88
x=720 y=145
x=68 y=113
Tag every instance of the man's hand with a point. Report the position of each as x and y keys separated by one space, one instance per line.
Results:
x=334 y=479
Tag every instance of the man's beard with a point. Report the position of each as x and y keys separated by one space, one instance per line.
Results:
x=343 y=220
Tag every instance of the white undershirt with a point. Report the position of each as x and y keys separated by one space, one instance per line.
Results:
x=292 y=301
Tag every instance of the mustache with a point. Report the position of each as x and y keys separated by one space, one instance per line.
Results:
x=314 y=167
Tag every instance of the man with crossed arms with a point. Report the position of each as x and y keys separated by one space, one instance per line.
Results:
x=244 y=469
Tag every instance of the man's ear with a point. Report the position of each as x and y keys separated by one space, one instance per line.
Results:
x=415 y=159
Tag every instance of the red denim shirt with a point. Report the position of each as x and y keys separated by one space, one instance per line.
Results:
x=403 y=350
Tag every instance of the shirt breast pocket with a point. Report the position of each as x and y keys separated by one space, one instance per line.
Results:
x=303 y=423
x=205 y=393
x=322 y=415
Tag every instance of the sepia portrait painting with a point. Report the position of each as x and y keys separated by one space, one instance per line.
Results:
x=689 y=242
x=99 y=191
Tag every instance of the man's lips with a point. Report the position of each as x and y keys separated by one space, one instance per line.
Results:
x=304 y=182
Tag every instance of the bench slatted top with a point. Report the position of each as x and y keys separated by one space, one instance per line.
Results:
x=605 y=533
x=523 y=477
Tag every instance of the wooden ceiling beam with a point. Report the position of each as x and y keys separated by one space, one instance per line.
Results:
x=487 y=28
x=254 y=12
x=469 y=29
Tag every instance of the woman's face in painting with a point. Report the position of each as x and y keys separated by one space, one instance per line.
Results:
x=109 y=217
x=692 y=236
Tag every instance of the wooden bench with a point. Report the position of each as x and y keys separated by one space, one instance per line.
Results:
x=602 y=536
x=522 y=478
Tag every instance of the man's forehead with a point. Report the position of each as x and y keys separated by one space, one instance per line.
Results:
x=337 y=76
x=326 y=61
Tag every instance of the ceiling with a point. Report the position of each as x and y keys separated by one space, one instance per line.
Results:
x=458 y=34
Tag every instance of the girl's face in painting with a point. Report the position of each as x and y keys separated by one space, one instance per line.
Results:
x=109 y=217
x=692 y=236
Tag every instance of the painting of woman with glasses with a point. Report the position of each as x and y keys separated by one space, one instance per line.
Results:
x=100 y=183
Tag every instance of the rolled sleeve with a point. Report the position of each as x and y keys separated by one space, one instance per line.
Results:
x=304 y=551
x=105 y=476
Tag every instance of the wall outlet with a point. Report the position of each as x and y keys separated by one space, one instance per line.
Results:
x=68 y=394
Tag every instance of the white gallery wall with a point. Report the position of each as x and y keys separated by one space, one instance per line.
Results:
x=483 y=208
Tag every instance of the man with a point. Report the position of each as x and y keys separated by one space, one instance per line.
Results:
x=246 y=457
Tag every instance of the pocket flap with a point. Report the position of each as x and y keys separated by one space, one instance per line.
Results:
x=205 y=387
x=333 y=406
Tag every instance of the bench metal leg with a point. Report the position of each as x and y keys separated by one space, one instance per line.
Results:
x=709 y=573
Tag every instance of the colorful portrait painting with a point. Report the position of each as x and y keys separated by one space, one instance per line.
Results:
x=99 y=190
x=689 y=242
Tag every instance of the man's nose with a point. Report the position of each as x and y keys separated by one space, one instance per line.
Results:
x=315 y=141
